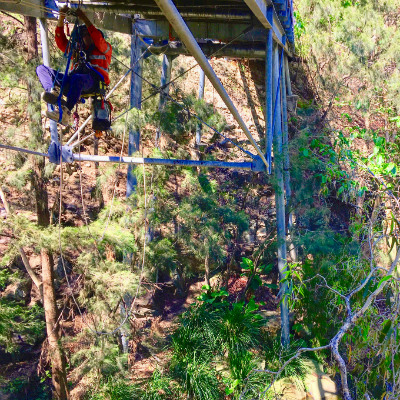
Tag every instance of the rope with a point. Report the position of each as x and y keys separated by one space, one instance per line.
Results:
x=70 y=48
x=98 y=333
x=59 y=234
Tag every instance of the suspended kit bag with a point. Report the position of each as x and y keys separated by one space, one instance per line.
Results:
x=101 y=115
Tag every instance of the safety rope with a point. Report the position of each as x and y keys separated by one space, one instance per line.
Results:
x=60 y=110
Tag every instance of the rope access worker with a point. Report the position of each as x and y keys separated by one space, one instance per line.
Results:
x=89 y=66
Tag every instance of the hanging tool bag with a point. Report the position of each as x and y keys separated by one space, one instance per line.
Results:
x=101 y=111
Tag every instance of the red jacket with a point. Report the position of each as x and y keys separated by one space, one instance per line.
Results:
x=99 y=58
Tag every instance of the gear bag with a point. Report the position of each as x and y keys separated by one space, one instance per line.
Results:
x=101 y=111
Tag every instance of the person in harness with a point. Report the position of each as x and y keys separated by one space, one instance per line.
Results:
x=90 y=63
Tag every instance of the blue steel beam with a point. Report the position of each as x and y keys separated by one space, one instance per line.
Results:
x=280 y=194
x=44 y=39
x=268 y=18
x=256 y=165
x=268 y=99
x=135 y=101
x=160 y=29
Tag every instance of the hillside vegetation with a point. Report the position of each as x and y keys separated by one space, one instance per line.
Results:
x=173 y=293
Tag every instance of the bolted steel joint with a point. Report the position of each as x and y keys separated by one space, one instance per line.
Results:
x=56 y=151
x=258 y=165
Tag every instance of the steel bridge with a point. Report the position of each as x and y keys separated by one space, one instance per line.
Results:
x=242 y=29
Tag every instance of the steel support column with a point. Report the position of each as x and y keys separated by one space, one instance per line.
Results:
x=268 y=100
x=286 y=158
x=135 y=101
x=202 y=81
x=44 y=39
x=287 y=75
x=280 y=193
x=165 y=78
x=266 y=14
x=285 y=138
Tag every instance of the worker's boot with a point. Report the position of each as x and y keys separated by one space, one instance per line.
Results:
x=55 y=115
x=52 y=97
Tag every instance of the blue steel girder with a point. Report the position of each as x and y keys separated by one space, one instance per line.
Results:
x=202 y=30
x=265 y=12
x=159 y=29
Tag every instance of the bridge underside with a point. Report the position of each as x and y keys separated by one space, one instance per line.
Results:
x=211 y=22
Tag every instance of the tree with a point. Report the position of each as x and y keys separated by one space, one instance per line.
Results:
x=59 y=377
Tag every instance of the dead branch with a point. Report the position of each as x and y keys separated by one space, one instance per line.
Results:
x=25 y=260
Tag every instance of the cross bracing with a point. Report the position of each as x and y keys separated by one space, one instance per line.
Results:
x=232 y=28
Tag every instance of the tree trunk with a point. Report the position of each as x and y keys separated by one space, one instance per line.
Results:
x=31 y=41
x=56 y=353
x=42 y=207
x=40 y=191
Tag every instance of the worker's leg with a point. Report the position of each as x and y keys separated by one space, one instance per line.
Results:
x=77 y=83
x=48 y=77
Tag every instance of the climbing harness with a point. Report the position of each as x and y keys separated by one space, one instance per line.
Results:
x=75 y=53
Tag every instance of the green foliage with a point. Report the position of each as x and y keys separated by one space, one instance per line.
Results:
x=101 y=359
x=114 y=389
x=180 y=124
x=22 y=388
x=253 y=273
x=198 y=379
x=19 y=324
x=214 y=331
x=276 y=355
x=158 y=387
x=161 y=387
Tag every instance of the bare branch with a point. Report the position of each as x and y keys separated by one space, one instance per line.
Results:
x=25 y=260
x=335 y=341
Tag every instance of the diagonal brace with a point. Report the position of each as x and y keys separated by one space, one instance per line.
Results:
x=175 y=19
